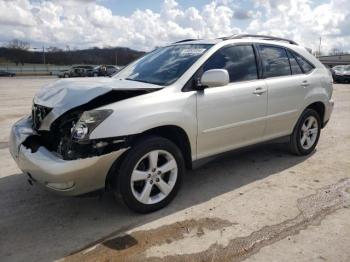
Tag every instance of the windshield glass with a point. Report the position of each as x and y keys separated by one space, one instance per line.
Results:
x=165 y=65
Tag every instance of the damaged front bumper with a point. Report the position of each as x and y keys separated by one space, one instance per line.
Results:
x=67 y=177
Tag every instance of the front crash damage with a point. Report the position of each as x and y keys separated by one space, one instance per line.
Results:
x=68 y=177
x=44 y=148
x=58 y=108
x=58 y=138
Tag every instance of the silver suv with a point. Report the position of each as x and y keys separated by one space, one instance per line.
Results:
x=137 y=132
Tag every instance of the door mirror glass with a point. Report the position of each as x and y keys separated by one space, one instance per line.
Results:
x=214 y=78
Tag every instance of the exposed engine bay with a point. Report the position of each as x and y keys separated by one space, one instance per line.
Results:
x=59 y=138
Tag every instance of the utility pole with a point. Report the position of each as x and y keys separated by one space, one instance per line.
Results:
x=44 y=54
x=319 y=47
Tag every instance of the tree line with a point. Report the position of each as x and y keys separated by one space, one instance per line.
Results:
x=18 y=52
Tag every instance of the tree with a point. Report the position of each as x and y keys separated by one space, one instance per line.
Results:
x=336 y=51
x=18 y=44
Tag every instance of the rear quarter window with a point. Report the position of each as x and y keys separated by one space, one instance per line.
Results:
x=306 y=66
x=294 y=65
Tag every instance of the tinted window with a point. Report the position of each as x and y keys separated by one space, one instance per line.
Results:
x=275 y=61
x=239 y=61
x=294 y=64
x=305 y=65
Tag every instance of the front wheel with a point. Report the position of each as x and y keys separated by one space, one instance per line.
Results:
x=306 y=133
x=150 y=175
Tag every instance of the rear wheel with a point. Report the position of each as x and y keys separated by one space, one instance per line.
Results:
x=306 y=133
x=150 y=174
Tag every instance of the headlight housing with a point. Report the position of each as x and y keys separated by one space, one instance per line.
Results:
x=88 y=121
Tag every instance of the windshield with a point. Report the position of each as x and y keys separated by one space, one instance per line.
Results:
x=165 y=65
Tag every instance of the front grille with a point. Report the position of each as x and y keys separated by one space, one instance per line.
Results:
x=38 y=114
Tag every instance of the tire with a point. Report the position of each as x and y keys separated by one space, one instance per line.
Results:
x=137 y=175
x=306 y=133
x=66 y=76
x=95 y=75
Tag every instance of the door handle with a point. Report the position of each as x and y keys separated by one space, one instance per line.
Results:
x=304 y=84
x=259 y=91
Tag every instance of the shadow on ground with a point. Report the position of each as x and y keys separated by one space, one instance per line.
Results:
x=36 y=225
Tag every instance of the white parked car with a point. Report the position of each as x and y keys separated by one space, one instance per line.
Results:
x=138 y=131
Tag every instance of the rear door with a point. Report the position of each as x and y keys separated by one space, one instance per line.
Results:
x=231 y=116
x=286 y=89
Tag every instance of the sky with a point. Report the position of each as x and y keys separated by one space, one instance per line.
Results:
x=146 y=24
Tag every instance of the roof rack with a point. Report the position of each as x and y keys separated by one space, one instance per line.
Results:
x=264 y=37
x=185 y=40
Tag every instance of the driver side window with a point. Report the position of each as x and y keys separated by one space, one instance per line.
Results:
x=239 y=61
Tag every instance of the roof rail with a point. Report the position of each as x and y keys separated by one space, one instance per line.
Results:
x=264 y=37
x=185 y=40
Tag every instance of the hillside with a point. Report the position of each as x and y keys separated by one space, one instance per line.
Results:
x=86 y=56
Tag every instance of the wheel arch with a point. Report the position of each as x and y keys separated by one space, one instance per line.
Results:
x=178 y=136
x=174 y=133
x=320 y=108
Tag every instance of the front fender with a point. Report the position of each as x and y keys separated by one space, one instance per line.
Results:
x=136 y=116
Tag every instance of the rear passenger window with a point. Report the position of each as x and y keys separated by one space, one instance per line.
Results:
x=239 y=61
x=294 y=64
x=305 y=65
x=275 y=61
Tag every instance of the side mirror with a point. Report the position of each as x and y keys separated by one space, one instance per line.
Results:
x=215 y=77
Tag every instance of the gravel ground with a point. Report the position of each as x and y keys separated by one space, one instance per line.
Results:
x=256 y=204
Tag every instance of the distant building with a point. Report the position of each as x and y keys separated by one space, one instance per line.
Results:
x=333 y=60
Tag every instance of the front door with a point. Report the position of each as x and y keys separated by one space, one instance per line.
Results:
x=231 y=116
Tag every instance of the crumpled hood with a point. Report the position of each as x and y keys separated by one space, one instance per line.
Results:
x=66 y=94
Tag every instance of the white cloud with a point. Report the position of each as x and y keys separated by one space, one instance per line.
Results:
x=88 y=23
x=305 y=22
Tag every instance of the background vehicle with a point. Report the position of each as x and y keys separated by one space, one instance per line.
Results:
x=6 y=73
x=103 y=70
x=76 y=71
x=341 y=73
x=137 y=132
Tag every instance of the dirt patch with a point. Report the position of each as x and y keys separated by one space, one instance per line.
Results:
x=133 y=247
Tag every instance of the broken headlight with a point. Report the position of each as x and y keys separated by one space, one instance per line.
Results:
x=88 y=121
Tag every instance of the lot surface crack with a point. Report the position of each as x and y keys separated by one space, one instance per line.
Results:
x=134 y=246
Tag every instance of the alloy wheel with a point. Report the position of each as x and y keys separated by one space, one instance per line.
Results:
x=154 y=177
x=309 y=132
